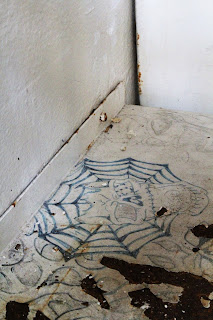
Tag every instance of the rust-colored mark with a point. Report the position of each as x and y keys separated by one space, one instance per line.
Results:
x=109 y=127
x=140 y=81
x=52 y=294
x=90 y=145
x=97 y=227
x=196 y=289
x=137 y=39
x=16 y=310
x=84 y=248
x=14 y=203
x=202 y=231
x=89 y=286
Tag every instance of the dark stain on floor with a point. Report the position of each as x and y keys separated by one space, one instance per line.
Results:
x=89 y=286
x=195 y=290
x=202 y=231
x=16 y=310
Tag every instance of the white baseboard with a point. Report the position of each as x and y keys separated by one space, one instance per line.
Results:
x=32 y=198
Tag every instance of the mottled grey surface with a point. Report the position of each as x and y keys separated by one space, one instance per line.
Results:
x=107 y=206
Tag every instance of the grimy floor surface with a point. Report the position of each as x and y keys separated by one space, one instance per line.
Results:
x=128 y=234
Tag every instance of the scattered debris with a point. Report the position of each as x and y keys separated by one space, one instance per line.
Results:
x=202 y=231
x=103 y=117
x=116 y=120
x=123 y=148
x=161 y=212
x=16 y=310
x=89 y=286
x=189 y=306
x=109 y=127
x=131 y=134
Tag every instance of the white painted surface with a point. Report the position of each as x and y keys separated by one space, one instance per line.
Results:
x=58 y=61
x=46 y=182
x=175 y=52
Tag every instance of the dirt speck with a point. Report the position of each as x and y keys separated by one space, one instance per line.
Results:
x=103 y=117
x=161 y=212
x=196 y=249
x=40 y=316
x=86 y=304
x=18 y=246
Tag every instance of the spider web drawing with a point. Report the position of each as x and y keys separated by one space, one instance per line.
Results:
x=110 y=207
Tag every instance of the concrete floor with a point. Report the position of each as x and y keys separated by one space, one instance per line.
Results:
x=138 y=197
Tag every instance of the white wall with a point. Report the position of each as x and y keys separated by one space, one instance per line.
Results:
x=58 y=61
x=175 y=52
